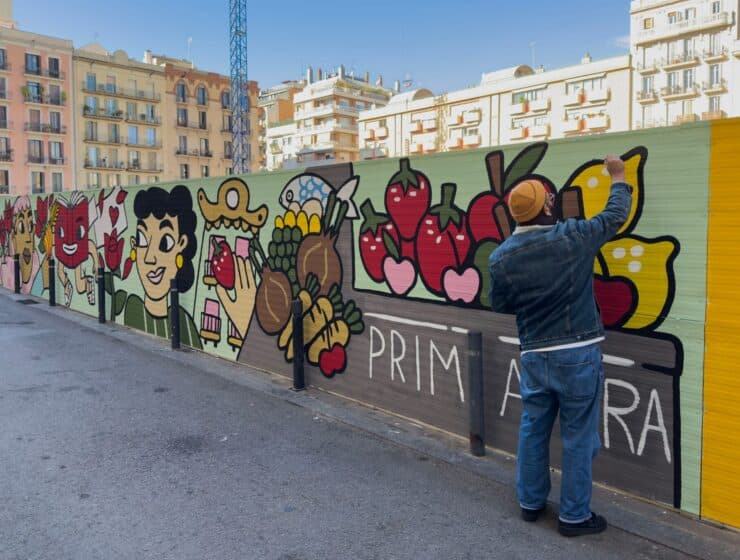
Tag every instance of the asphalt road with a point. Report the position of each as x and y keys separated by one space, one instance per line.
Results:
x=111 y=448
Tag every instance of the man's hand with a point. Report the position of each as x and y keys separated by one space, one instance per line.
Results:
x=615 y=167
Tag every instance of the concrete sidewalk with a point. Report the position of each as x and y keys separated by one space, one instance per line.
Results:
x=114 y=446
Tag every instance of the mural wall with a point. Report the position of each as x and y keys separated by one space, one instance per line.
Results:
x=388 y=259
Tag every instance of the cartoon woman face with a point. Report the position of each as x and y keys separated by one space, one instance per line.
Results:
x=158 y=242
x=23 y=241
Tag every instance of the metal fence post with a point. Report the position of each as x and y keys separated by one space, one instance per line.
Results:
x=52 y=283
x=299 y=381
x=475 y=396
x=17 y=272
x=101 y=295
x=175 y=314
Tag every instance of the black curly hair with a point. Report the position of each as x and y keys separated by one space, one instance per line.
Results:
x=177 y=203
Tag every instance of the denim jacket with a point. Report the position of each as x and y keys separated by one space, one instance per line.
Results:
x=544 y=275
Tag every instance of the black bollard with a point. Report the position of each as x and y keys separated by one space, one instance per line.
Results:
x=299 y=380
x=175 y=314
x=101 y=295
x=17 y=272
x=475 y=396
x=52 y=283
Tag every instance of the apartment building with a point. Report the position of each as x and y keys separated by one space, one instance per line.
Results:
x=198 y=121
x=118 y=120
x=326 y=116
x=686 y=56
x=275 y=109
x=512 y=105
x=281 y=146
x=36 y=146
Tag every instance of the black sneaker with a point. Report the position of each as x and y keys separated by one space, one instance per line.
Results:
x=531 y=515
x=596 y=524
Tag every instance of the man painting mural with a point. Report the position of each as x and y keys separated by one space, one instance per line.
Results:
x=544 y=275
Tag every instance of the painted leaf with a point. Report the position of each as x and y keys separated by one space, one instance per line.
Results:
x=119 y=302
x=524 y=163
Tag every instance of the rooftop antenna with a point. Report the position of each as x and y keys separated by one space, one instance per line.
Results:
x=531 y=48
x=190 y=44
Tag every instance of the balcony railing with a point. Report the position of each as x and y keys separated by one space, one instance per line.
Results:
x=54 y=74
x=94 y=138
x=682 y=59
x=684 y=26
x=45 y=128
x=5 y=124
x=647 y=96
x=679 y=91
x=4 y=189
x=6 y=66
x=192 y=124
x=143 y=144
x=115 y=91
x=647 y=67
x=35 y=159
x=713 y=115
x=196 y=153
x=684 y=119
x=45 y=99
x=713 y=87
x=136 y=166
x=104 y=164
x=4 y=94
x=102 y=113
x=7 y=155
x=56 y=160
x=143 y=119
x=715 y=54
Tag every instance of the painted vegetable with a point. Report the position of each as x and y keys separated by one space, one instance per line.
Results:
x=443 y=241
x=222 y=264
x=274 y=294
x=373 y=250
x=407 y=199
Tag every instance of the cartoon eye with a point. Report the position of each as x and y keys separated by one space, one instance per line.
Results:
x=141 y=240
x=289 y=196
x=30 y=225
x=21 y=227
x=61 y=232
x=167 y=243
x=80 y=232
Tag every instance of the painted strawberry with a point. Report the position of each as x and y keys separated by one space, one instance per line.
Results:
x=372 y=248
x=222 y=263
x=443 y=241
x=616 y=298
x=333 y=361
x=407 y=199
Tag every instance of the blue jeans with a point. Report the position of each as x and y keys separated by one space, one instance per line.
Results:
x=569 y=382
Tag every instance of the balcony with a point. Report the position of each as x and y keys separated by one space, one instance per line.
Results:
x=196 y=153
x=429 y=124
x=685 y=119
x=35 y=159
x=102 y=113
x=56 y=160
x=679 y=92
x=60 y=100
x=373 y=153
x=710 y=88
x=381 y=132
x=471 y=140
x=472 y=117
x=429 y=147
x=143 y=144
x=7 y=155
x=369 y=134
x=539 y=131
x=192 y=124
x=103 y=163
x=5 y=66
x=114 y=91
x=519 y=133
x=599 y=122
x=519 y=108
x=640 y=125
x=44 y=128
x=415 y=127
x=415 y=148
x=575 y=98
x=454 y=143
x=5 y=95
x=598 y=95
x=95 y=139
x=683 y=60
x=143 y=119
x=693 y=25
x=539 y=104
x=716 y=55
x=572 y=126
x=6 y=125
x=4 y=189
x=713 y=115
x=645 y=68
x=453 y=120
x=647 y=96
x=135 y=166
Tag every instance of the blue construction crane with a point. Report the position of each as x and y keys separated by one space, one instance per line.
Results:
x=240 y=148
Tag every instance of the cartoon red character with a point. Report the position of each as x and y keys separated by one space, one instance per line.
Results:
x=72 y=246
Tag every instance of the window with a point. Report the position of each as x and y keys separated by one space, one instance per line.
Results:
x=182 y=117
x=150 y=112
x=689 y=13
x=91 y=130
x=225 y=100
x=181 y=92
x=4 y=181
x=134 y=180
x=33 y=64
x=35 y=116
x=56 y=154
x=184 y=171
x=55 y=94
x=3 y=117
x=3 y=59
x=91 y=82
x=57 y=179
x=3 y=88
x=35 y=151
x=647 y=84
x=687 y=107
x=688 y=78
x=200 y=95
x=91 y=104
x=714 y=75
x=182 y=145
x=37 y=181
x=110 y=84
x=227 y=149
x=114 y=134
x=202 y=122
x=93 y=180
x=55 y=122
x=4 y=148
x=152 y=161
x=54 y=68
x=134 y=159
x=114 y=180
x=674 y=17
x=133 y=135
x=714 y=106
x=204 y=171
x=648 y=23
x=34 y=92
x=228 y=123
x=111 y=106
x=716 y=7
x=204 y=147
x=131 y=110
x=151 y=137
x=672 y=80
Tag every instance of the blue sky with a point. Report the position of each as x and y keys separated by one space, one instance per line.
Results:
x=442 y=44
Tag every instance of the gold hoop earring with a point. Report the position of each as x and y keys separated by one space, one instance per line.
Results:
x=132 y=256
x=179 y=261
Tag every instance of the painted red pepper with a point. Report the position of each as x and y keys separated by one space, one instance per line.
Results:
x=373 y=250
x=443 y=241
x=407 y=199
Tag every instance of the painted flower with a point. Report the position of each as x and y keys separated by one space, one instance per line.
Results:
x=42 y=214
x=113 y=247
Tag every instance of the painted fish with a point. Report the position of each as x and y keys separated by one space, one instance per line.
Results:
x=306 y=187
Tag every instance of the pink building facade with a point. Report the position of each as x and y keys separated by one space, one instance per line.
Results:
x=36 y=121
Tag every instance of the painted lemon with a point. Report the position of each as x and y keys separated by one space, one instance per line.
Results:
x=595 y=184
x=649 y=265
